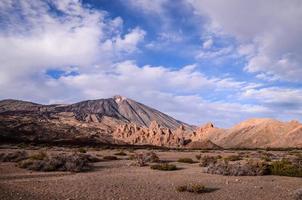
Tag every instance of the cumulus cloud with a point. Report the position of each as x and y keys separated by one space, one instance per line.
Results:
x=269 y=30
x=285 y=103
x=36 y=36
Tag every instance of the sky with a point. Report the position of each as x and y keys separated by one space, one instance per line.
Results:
x=219 y=61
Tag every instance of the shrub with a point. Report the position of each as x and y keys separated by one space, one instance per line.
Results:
x=250 y=168
x=15 y=156
x=232 y=158
x=198 y=157
x=181 y=188
x=38 y=156
x=110 y=158
x=82 y=150
x=141 y=159
x=266 y=158
x=195 y=188
x=207 y=160
x=121 y=153
x=59 y=162
x=164 y=167
x=297 y=194
x=22 y=145
x=285 y=168
x=185 y=160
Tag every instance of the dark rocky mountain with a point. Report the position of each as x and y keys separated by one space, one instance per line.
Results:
x=118 y=107
x=92 y=120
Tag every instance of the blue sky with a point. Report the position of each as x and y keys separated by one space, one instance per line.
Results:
x=197 y=60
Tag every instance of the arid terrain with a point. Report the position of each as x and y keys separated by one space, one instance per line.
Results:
x=120 y=179
x=118 y=148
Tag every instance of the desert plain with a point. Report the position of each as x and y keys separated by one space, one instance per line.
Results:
x=120 y=179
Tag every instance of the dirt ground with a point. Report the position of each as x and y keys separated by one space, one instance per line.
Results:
x=118 y=180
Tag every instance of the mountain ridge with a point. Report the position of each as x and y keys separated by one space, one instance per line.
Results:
x=120 y=120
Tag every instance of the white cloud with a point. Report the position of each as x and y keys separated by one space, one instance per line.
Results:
x=215 y=53
x=271 y=29
x=207 y=44
x=41 y=40
x=154 y=6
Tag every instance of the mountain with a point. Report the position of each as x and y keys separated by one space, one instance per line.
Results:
x=256 y=133
x=92 y=120
x=120 y=120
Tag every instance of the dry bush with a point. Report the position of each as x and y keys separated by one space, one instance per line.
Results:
x=198 y=157
x=121 y=153
x=233 y=158
x=59 y=162
x=110 y=158
x=82 y=150
x=286 y=167
x=164 y=167
x=41 y=155
x=185 y=160
x=250 y=168
x=194 y=188
x=15 y=156
x=297 y=194
x=141 y=159
x=207 y=160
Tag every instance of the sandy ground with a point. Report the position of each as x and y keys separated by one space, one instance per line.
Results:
x=118 y=180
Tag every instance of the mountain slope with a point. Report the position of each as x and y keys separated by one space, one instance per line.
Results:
x=256 y=133
x=118 y=107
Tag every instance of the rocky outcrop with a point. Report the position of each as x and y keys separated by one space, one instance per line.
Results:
x=152 y=135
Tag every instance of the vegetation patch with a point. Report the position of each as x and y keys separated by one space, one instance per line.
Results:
x=141 y=159
x=198 y=157
x=250 y=168
x=60 y=162
x=297 y=194
x=82 y=150
x=15 y=156
x=121 y=153
x=286 y=168
x=41 y=155
x=186 y=160
x=110 y=158
x=232 y=158
x=194 y=188
x=207 y=160
x=164 y=167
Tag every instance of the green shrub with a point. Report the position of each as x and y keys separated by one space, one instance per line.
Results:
x=285 y=168
x=185 y=160
x=110 y=158
x=121 y=153
x=82 y=150
x=164 y=167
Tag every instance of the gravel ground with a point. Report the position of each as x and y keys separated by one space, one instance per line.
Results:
x=118 y=180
